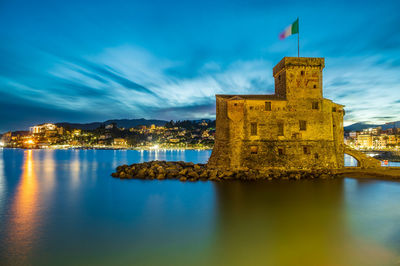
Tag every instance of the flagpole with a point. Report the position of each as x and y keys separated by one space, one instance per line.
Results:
x=298 y=38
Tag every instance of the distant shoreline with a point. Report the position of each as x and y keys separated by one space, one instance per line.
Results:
x=113 y=148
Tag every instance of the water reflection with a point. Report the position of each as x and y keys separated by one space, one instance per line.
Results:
x=75 y=170
x=24 y=213
x=290 y=223
x=62 y=207
x=2 y=181
x=350 y=161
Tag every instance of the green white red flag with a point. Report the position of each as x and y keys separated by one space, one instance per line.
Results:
x=290 y=30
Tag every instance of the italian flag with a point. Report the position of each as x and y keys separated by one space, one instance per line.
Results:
x=291 y=29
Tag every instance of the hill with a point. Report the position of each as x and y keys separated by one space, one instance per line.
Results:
x=126 y=123
x=362 y=125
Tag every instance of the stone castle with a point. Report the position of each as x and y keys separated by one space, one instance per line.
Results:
x=294 y=128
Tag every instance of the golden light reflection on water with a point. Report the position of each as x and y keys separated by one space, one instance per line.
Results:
x=75 y=170
x=24 y=211
x=291 y=223
x=46 y=170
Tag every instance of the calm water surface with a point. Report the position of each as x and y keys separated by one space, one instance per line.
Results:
x=61 y=207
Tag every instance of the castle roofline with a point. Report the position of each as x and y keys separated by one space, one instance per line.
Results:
x=299 y=62
x=251 y=96
x=329 y=100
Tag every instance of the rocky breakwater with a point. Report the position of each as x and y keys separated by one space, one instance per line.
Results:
x=184 y=171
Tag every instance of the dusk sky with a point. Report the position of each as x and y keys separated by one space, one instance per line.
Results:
x=85 y=61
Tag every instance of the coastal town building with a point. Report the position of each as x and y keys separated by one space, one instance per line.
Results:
x=120 y=142
x=294 y=128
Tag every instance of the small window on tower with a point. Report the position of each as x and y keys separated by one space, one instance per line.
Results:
x=303 y=125
x=315 y=105
x=315 y=86
x=253 y=129
x=253 y=149
x=251 y=107
x=281 y=151
x=235 y=104
x=280 y=129
x=306 y=150
x=268 y=106
x=316 y=155
x=333 y=109
x=302 y=73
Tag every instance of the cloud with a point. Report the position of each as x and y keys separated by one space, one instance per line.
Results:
x=141 y=59
x=198 y=111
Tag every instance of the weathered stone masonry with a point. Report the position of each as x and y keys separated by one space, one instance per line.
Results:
x=294 y=128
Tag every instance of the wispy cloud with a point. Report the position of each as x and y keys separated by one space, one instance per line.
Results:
x=164 y=60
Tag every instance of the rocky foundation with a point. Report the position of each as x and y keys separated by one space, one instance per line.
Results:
x=200 y=172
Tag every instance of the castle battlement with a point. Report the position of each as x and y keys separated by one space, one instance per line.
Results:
x=306 y=62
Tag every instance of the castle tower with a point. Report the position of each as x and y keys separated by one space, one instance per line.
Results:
x=293 y=128
x=299 y=77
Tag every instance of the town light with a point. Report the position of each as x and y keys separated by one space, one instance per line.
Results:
x=29 y=141
x=1 y=144
x=155 y=147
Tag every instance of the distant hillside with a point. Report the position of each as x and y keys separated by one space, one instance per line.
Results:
x=126 y=123
x=361 y=125
x=391 y=125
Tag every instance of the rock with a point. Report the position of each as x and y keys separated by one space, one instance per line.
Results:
x=213 y=174
x=229 y=173
x=160 y=176
x=141 y=173
x=114 y=175
x=173 y=173
x=213 y=178
x=151 y=173
x=204 y=174
x=183 y=172
x=193 y=174
x=190 y=171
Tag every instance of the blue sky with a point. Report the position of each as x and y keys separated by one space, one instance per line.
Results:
x=81 y=61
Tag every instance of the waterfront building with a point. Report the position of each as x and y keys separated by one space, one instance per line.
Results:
x=364 y=141
x=120 y=142
x=46 y=129
x=295 y=127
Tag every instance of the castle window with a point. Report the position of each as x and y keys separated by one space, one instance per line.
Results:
x=281 y=151
x=279 y=77
x=316 y=155
x=235 y=104
x=268 y=106
x=253 y=149
x=333 y=109
x=303 y=125
x=302 y=73
x=315 y=105
x=306 y=150
x=251 y=107
x=253 y=129
x=315 y=86
x=280 y=129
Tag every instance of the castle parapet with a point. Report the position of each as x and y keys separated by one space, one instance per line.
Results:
x=310 y=62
